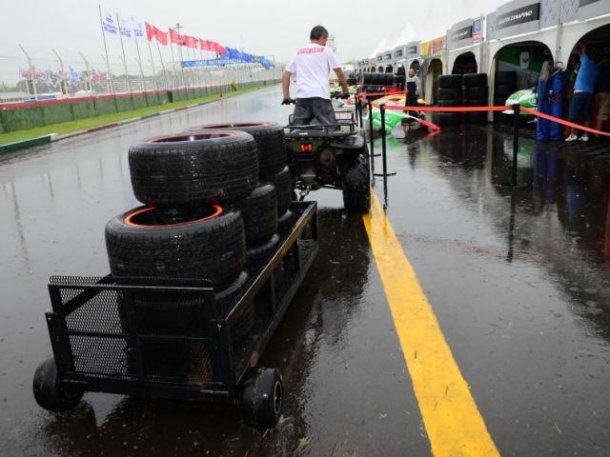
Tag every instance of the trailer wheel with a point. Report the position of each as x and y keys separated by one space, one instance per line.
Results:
x=49 y=393
x=262 y=398
x=269 y=139
x=283 y=188
x=193 y=169
x=203 y=243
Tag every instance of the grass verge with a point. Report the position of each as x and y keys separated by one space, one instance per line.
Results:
x=98 y=121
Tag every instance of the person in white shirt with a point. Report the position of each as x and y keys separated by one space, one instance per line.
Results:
x=311 y=66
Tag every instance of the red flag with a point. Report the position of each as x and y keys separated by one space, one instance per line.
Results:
x=190 y=41
x=150 y=31
x=161 y=37
x=175 y=37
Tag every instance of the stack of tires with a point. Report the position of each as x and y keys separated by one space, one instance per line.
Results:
x=376 y=82
x=194 y=186
x=266 y=209
x=449 y=95
x=476 y=93
x=505 y=84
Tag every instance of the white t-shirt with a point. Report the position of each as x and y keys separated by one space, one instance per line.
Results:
x=311 y=66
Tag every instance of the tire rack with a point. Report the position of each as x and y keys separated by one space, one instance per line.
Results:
x=275 y=284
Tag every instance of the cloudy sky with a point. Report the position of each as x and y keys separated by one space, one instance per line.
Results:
x=263 y=27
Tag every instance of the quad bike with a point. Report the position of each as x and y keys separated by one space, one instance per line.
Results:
x=332 y=156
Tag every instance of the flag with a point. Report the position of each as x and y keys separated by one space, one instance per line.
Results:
x=137 y=28
x=161 y=37
x=108 y=23
x=190 y=41
x=125 y=28
x=73 y=76
x=151 y=31
x=175 y=37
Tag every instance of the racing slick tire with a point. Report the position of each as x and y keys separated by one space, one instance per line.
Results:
x=194 y=169
x=475 y=80
x=449 y=93
x=269 y=139
x=476 y=92
x=450 y=81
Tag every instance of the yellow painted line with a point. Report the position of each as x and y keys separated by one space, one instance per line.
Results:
x=453 y=422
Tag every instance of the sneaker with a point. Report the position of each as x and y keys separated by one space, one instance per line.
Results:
x=572 y=137
x=584 y=138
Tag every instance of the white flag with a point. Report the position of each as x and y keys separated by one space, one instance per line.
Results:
x=109 y=22
x=125 y=27
x=137 y=28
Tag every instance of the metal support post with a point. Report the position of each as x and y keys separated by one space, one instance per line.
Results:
x=516 y=112
x=371 y=142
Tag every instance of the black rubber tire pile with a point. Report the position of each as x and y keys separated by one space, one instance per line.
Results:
x=376 y=82
x=505 y=84
x=476 y=93
x=212 y=198
x=469 y=89
x=449 y=95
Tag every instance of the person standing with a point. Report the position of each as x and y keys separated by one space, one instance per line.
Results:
x=581 y=104
x=413 y=86
x=311 y=66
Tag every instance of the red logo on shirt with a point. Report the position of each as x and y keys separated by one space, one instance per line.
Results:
x=311 y=50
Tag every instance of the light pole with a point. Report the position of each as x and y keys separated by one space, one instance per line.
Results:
x=31 y=70
x=89 y=85
x=178 y=27
x=63 y=87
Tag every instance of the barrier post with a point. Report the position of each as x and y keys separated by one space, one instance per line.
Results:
x=372 y=144
x=516 y=113
x=384 y=155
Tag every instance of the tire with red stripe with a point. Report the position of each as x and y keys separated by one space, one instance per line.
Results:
x=194 y=169
x=204 y=243
x=269 y=139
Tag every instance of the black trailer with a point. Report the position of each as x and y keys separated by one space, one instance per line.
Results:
x=101 y=344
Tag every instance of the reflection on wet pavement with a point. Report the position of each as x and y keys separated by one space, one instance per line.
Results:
x=519 y=280
x=518 y=277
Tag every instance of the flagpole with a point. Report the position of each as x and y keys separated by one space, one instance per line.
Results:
x=152 y=63
x=108 y=75
x=123 y=49
x=171 y=48
x=135 y=37
x=162 y=65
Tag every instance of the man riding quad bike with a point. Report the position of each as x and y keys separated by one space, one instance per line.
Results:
x=333 y=156
x=324 y=147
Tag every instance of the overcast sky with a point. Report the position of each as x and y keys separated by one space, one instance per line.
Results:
x=262 y=27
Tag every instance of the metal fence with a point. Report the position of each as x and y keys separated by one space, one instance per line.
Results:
x=48 y=74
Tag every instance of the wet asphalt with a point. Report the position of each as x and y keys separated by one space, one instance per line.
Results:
x=518 y=278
